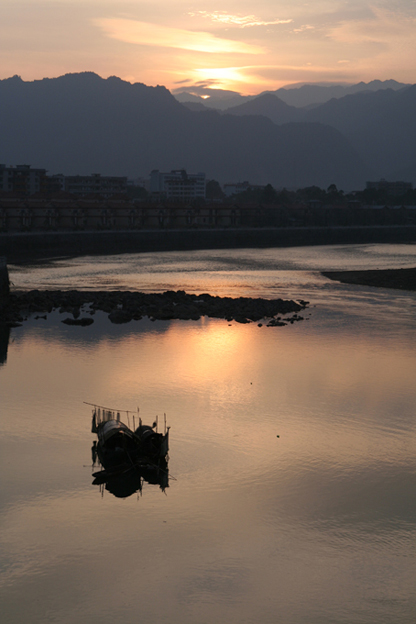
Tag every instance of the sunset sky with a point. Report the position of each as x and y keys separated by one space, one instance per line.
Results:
x=242 y=45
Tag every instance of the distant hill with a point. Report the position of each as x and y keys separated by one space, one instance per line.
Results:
x=381 y=125
x=300 y=96
x=81 y=123
x=195 y=106
x=270 y=106
x=218 y=99
x=312 y=94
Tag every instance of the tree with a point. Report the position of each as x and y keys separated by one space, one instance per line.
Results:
x=268 y=195
x=137 y=192
x=213 y=190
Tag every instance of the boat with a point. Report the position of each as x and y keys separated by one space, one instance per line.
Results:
x=128 y=456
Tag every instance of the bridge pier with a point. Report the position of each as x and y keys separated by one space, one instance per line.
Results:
x=4 y=279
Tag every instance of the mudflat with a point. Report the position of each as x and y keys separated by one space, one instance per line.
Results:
x=403 y=279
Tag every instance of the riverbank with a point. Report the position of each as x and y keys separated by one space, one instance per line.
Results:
x=26 y=247
x=402 y=279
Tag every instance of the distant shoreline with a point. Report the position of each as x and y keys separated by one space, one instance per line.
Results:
x=27 y=247
x=401 y=279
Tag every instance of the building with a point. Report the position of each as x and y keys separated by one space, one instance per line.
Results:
x=96 y=184
x=235 y=188
x=22 y=179
x=178 y=185
x=55 y=184
x=391 y=188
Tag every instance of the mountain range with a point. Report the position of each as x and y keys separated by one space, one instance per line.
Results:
x=298 y=95
x=81 y=123
x=380 y=125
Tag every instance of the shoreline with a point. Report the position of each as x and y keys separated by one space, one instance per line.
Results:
x=400 y=279
x=29 y=247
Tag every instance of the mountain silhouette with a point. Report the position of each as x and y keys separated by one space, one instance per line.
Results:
x=313 y=94
x=81 y=123
x=270 y=106
x=299 y=95
x=380 y=125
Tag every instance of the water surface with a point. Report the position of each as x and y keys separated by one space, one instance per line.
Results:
x=316 y=526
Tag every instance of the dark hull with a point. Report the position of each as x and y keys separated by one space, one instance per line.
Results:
x=119 y=446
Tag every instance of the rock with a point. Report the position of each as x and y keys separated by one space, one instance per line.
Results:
x=241 y=319
x=83 y=322
x=276 y=323
x=122 y=306
x=120 y=316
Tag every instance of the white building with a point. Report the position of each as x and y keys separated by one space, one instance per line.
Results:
x=177 y=185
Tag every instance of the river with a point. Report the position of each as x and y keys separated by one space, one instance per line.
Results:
x=292 y=463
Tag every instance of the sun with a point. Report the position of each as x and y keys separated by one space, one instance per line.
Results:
x=222 y=77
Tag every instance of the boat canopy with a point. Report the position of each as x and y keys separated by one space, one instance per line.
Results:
x=112 y=428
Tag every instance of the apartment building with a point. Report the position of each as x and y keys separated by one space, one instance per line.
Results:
x=177 y=185
x=22 y=179
x=95 y=184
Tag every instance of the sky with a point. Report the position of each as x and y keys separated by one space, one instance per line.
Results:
x=240 y=45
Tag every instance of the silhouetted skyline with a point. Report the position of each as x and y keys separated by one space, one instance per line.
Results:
x=82 y=123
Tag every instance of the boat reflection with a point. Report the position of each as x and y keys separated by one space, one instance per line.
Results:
x=130 y=481
x=128 y=457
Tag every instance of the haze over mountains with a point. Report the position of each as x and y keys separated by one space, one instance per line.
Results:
x=380 y=125
x=81 y=123
x=299 y=95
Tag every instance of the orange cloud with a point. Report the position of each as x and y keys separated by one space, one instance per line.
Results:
x=384 y=28
x=243 y=21
x=142 y=33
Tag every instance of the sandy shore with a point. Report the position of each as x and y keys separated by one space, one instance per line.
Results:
x=403 y=279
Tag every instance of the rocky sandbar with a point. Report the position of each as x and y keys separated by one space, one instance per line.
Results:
x=125 y=306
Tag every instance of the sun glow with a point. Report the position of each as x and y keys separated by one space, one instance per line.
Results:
x=217 y=352
x=222 y=77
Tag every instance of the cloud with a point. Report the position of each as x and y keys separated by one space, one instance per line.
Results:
x=382 y=27
x=143 y=33
x=303 y=28
x=245 y=21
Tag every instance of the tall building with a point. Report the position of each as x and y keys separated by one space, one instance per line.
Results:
x=177 y=185
x=22 y=179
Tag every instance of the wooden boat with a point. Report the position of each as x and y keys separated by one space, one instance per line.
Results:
x=122 y=451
